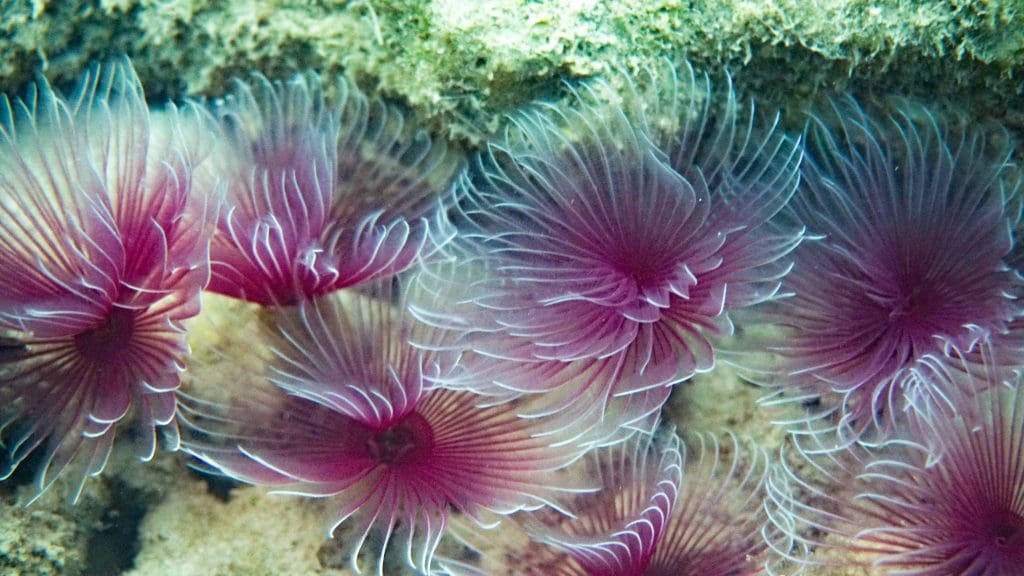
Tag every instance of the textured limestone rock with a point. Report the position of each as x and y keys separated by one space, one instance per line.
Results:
x=463 y=65
x=193 y=532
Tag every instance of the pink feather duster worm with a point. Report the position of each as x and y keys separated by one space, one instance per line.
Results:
x=915 y=230
x=944 y=495
x=354 y=417
x=322 y=196
x=658 y=513
x=103 y=252
x=596 y=264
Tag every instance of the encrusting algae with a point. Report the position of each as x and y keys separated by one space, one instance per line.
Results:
x=463 y=66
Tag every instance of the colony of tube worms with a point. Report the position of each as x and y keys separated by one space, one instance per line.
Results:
x=490 y=340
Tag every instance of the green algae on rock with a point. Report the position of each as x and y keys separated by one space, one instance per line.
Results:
x=47 y=538
x=39 y=542
x=463 y=65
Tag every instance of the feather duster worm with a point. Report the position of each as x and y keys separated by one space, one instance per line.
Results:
x=596 y=269
x=945 y=496
x=322 y=197
x=361 y=424
x=914 y=224
x=618 y=529
x=658 y=514
x=103 y=252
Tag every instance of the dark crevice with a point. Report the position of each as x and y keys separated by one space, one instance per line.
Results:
x=811 y=402
x=218 y=486
x=112 y=548
x=24 y=474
